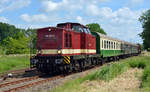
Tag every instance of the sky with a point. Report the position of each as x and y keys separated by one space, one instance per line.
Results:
x=118 y=18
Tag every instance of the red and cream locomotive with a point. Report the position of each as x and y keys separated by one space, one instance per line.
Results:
x=64 y=48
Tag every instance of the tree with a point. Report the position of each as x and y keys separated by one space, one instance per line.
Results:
x=18 y=44
x=32 y=34
x=95 y=27
x=145 y=35
x=14 y=40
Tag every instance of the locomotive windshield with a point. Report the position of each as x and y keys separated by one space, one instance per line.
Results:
x=77 y=28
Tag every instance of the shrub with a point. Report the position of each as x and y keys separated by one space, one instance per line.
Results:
x=146 y=77
x=138 y=64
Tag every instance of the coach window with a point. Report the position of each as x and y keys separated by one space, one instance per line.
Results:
x=105 y=44
x=102 y=43
x=114 y=45
x=111 y=45
x=108 y=45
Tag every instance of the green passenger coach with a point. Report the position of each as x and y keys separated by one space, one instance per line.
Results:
x=109 y=47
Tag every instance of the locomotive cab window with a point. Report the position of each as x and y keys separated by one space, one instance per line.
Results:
x=85 y=30
x=77 y=28
x=89 y=31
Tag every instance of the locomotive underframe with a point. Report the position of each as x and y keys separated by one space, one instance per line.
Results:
x=56 y=64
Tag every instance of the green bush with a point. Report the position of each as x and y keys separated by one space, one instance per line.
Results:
x=2 y=51
x=146 y=77
x=148 y=49
x=138 y=64
x=109 y=72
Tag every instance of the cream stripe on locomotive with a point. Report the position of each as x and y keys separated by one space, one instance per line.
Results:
x=67 y=51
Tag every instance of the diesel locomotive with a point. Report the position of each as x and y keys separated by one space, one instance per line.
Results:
x=73 y=47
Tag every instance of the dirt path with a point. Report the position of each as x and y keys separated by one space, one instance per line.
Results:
x=126 y=82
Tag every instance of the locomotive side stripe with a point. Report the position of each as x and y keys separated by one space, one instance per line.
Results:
x=67 y=51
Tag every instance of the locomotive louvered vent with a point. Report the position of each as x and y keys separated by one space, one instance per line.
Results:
x=68 y=41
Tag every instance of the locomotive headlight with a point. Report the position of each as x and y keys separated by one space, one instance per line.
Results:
x=39 y=52
x=59 y=51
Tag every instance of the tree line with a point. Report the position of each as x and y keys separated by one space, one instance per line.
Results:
x=15 y=40
x=145 y=35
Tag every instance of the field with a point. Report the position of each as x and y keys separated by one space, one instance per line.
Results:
x=13 y=62
x=133 y=66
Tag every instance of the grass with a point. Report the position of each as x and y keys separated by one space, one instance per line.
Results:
x=109 y=72
x=8 y=63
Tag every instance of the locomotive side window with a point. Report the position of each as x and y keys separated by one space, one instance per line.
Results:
x=88 y=31
x=80 y=29
x=85 y=30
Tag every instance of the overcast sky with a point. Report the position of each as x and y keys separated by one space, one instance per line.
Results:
x=119 y=18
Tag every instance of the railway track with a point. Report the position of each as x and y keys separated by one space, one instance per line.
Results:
x=25 y=83
x=15 y=72
x=22 y=84
x=29 y=82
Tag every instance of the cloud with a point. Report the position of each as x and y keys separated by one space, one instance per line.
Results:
x=3 y=1
x=35 y=18
x=10 y=5
x=80 y=19
x=4 y=19
x=134 y=3
x=92 y=9
x=67 y=5
x=137 y=1
x=42 y=18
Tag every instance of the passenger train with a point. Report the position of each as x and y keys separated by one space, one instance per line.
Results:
x=73 y=47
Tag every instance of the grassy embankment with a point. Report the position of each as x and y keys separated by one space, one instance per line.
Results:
x=111 y=71
x=8 y=63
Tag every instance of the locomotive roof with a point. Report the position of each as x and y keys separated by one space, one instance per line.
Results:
x=110 y=38
x=71 y=23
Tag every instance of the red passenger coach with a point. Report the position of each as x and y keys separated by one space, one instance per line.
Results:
x=63 y=47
